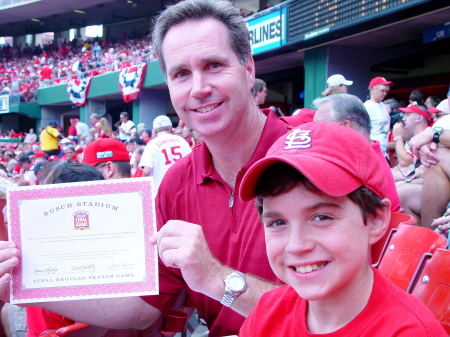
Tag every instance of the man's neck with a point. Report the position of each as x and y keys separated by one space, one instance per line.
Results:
x=231 y=152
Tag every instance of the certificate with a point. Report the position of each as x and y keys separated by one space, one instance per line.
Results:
x=83 y=240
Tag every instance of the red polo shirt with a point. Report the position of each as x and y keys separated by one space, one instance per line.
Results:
x=193 y=191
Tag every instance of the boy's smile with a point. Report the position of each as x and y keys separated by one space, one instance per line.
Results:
x=318 y=244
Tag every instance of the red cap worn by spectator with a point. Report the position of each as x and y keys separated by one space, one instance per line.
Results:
x=75 y=120
x=300 y=117
x=414 y=108
x=335 y=159
x=40 y=154
x=380 y=80
x=105 y=149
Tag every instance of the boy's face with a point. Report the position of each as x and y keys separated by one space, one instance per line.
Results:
x=317 y=244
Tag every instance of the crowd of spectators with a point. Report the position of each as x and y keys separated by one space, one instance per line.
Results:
x=25 y=68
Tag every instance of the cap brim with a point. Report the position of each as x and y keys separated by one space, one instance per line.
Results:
x=330 y=179
x=348 y=82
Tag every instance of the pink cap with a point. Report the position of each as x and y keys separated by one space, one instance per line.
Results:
x=335 y=159
x=380 y=80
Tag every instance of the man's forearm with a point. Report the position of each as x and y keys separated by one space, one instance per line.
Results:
x=246 y=301
x=112 y=313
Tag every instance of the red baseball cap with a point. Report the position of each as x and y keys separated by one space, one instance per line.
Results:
x=299 y=117
x=334 y=158
x=75 y=120
x=40 y=154
x=414 y=108
x=379 y=80
x=105 y=149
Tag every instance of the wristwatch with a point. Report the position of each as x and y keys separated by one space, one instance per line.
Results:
x=437 y=133
x=235 y=284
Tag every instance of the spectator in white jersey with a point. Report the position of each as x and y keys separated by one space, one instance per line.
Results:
x=163 y=151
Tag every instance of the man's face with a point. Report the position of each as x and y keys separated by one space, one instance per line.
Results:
x=317 y=244
x=260 y=97
x=123 y=118
x=209 y=87
x=410 y=121
x=378 y=93
x=187 y=133
x=429 y=104
x=70 y=154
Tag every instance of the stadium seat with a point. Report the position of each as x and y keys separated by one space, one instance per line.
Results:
x=404 y=249
x=431 y=284
x=397 y=218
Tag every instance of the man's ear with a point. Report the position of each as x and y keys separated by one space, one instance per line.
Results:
x=379 y=223
x=347 y=124
x=110 y=170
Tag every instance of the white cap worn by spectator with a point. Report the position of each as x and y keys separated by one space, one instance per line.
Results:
x=338 y=79
x=161 y=122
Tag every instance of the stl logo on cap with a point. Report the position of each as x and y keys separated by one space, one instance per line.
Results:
x=298 y=139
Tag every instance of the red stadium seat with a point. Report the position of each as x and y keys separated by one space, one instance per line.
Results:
x=431 y=284
x=397 y=218
x=404 y=249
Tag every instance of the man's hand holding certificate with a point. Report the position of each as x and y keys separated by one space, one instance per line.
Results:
x=83 y=240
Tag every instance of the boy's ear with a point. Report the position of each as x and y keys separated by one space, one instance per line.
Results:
x=380 y=223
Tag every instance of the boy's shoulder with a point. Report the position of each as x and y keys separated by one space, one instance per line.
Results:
x=390 y=312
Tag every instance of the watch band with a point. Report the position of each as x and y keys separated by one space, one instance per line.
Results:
x=227 y=299
x=397 y=138
x=437 y=133
x=230 y=295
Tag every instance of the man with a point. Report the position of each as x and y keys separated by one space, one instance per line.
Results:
x=110 y=157
x=126 y=127
x=187 y=134
x=379 y=117
x=410 y=183
x=348 y=110
x=260 y=91
x=49 y=139
x=82 y=129
x=432 y=147
x=94 y=119
x=11 y=161
x=204 y=51
x=163 y=151
x=26 y=175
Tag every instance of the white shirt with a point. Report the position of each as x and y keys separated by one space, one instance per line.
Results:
x=380 y=119
x=443 y=122
x=161 y=153
x=127 y=127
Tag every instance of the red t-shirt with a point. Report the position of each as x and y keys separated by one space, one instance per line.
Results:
x=46 y=73
x=390 y=312
x=234 y=234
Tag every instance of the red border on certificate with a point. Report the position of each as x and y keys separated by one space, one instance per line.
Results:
x=148 y=286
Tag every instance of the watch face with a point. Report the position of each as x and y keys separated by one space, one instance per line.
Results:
x=236 y=283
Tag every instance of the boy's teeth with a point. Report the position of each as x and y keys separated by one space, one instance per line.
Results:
x=309 y=268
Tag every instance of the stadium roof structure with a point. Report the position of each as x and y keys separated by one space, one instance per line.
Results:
x=60 y=15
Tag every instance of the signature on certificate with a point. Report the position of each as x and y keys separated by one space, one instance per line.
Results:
x=90 y=268
x=120 y=266
x=46 y=271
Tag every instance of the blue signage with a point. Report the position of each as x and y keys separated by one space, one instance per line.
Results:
x=436 y=33
x=268 y=31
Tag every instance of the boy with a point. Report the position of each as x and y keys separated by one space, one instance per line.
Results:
x=321 y=198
